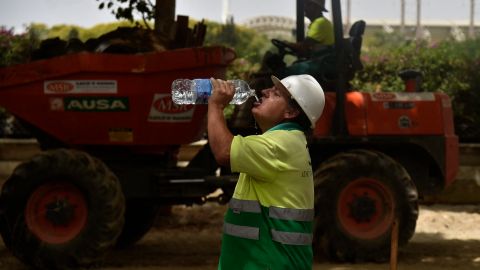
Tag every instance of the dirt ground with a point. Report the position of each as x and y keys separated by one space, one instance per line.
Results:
x=447 y=237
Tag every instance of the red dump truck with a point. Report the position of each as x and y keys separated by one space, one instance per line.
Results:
x=113 y=135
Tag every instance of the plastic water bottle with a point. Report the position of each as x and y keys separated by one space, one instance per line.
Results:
x=197 y=91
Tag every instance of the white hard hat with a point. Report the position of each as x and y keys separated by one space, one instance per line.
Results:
x=307 y=92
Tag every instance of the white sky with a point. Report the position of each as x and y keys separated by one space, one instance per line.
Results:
x=85 y=13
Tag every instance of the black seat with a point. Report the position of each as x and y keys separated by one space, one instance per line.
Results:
x=355 y=42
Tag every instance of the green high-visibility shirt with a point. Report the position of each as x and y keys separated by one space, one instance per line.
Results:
x=321 y=30
x=268 y=224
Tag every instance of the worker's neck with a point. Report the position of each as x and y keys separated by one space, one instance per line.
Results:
x=316 y=16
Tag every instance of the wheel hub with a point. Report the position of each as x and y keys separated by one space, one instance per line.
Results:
x=362 y=208
x=60 y=212
x=56 y=212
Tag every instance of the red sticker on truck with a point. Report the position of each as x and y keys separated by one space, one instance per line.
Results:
x=59 y=87
x=163 y=109
x=402 y=96
x=80 y=87
x=120 y=134
x=383 y=96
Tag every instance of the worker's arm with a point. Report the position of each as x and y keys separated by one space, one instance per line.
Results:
x=219 y=136
x=306 y=47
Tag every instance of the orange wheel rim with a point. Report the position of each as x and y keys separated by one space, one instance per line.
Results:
x=366 y=208
x=56 y=212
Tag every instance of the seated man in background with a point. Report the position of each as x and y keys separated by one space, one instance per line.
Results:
x=320 y=30
x=319 y=40
x=314 y=55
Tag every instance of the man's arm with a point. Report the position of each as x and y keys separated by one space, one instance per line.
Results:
x=219 y=136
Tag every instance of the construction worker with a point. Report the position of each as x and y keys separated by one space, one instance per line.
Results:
x=320 y=29
x=310 y=52
x=268 y=224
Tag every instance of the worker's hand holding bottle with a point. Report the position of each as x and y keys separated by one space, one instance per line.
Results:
x=198 y=91
x=222 y=92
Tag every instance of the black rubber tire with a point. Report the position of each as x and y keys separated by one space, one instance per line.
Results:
x=332 y=238
x=140 y=216
x=104 y=200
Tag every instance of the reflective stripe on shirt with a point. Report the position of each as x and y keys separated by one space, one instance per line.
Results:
x=292 y=238
x=241 y=231
x=250 y=206
x=291 y=214
x=238 y=206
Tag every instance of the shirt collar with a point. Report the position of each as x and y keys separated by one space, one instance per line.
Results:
x=286 y=126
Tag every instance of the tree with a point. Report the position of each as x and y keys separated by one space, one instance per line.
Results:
x=17 y=48
x=73 y=33
x=163 y=15
x=248 y=44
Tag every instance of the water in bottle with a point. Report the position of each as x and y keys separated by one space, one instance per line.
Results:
x=197 y=91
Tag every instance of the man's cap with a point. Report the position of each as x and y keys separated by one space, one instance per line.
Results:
x=321 y=3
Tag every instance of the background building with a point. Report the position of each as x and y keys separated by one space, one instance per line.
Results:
x=284 y=28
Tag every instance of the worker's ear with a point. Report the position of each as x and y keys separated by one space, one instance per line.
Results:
x=291 y=113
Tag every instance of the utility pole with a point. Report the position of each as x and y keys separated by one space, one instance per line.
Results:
x=349 y=7
x=226 y=11
x=418 y=34
x=402 y=16
x=471 y=30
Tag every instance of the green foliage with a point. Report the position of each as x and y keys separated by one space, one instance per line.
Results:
x=384 y=40
x=448 y=66
x=65 y=32
x=15 y=49
x=248 y=44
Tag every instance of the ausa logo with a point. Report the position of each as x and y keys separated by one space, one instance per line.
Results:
x=96 y=104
